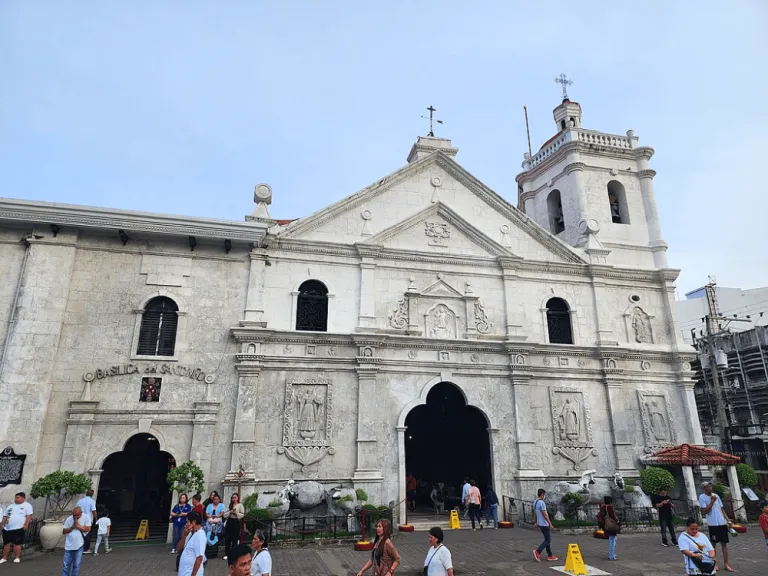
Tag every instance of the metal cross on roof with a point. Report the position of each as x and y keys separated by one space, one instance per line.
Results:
x=563 y=79
x=432 y=110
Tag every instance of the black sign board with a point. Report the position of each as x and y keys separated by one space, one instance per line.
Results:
x=11 y=467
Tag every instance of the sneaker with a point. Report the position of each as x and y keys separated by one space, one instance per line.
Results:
x=537 y=555
x=108 y=550
x=552 y=558
x=95 y=553
x=3 y=560
x=173 y=550
x=16 y=560
x=665 y=545
x=224 y=558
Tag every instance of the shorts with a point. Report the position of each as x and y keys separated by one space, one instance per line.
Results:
x=719 y=534
x=411 y=495
x=15 y=537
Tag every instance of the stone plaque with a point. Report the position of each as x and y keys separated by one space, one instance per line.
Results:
x=307 y=420
x=11 y=467
x=658 y=423
x=572 y=425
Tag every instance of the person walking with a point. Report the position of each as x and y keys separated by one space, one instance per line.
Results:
x=179 y=519
x=763 y=521
x=544 y=524
x=233 y=516
x=464 y=491
x=75 y=529
x=607 y=520
x=104 y=529
x=717 y=519
x=473 y=504
x=664 y=505
x=193 y=554
x=492 y=508
x=410 y=487
x=16 y=520
x=438 y=561
x=384 y=557
x=88 y=505
x=261 y=565
x=239 y=561
x=438 y=498
x=697 y=549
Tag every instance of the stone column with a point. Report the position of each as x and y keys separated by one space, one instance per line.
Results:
x=244 y=434
x=203 y=428
x=690 y=487
x=620 y=421
x=655 y=241
x=254 y=301
x=95 y=475
x=402 y=505
x=738 y=501
x=515 y=329
x=25 y=382
x=367 y=311
x=605 y=335
x=529 y=449
x=578 y=194
x=367 y=418
x=691 y=413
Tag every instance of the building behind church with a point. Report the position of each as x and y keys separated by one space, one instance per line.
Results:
x=422 y=325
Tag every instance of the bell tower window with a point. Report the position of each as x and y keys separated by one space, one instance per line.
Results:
x=559 y=322
x=555 y=210
x=617 y=202
x=312 y=307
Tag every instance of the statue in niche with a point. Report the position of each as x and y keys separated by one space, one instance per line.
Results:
x=658 y=422
x=615 y=213
x=308 y=414
x=568 y=422
x=642 y=326
x=441 y=322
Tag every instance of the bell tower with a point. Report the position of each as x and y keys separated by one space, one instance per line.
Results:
x=594 y=190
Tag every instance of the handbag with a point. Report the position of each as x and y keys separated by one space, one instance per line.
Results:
x=431 y=558
x=705 y=568
x=612 y=528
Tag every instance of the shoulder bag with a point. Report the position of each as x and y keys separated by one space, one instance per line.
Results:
x=431 y=558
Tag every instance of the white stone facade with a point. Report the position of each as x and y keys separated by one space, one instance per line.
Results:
x=431 y=277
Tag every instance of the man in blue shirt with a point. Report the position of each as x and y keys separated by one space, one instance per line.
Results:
x=717 y=520
x=88 y=505
x=545 y=525
x=464 y=491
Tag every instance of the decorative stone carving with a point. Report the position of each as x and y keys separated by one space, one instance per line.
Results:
x=572 y=425
x=518 y=360
x=482 y=323
x=441 y=322
x=399 y=317
x=367 y=352
x=562 y=361
x=287 y=349
x=645 y=365
x=366 y=216
x=658 y=423
x=307 y=420
x=474 y=357
x=641 y=324
x=412 y=354
x=581 y=362
x=332 y=351
x=547 y=361
x=444 y=356
x=610 y=364
x=437 y=232
x=311 y=350
x=505 y=241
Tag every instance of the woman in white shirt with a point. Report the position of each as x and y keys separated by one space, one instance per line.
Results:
x=438 y=561
x=261 y=565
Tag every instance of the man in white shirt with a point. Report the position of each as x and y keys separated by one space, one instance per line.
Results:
x=191 y=561
x=717 y=520
x=16 y=520
x=75 y=529
x=88 y=505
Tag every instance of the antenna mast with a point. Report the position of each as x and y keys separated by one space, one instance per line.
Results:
x=528 y=131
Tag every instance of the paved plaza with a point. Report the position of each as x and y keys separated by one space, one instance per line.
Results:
x=489 y=552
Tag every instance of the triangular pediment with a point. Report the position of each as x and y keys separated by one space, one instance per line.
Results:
x=441 y=289
x=485 y=223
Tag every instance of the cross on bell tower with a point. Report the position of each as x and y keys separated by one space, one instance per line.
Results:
x=564 y=82
x=431 y=119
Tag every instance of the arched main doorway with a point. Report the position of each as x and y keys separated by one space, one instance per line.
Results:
x=446 y=441
x=133 y=482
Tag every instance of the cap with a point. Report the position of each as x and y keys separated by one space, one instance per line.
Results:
x=705 y=484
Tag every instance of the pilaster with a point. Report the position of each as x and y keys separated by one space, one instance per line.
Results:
x=620 y=427
x=204 y=424
x=514 y=315
x=605 y=334
x=254 y=300
x=529 y=447
x=367 y=311
x=691 y=413
x=78 y=436
x=367 y=469
x=655 y=241
x=244 y=434
x=575 y=172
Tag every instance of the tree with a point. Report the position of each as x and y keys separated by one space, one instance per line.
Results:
x=58 y=488
x=654 y=479
x=186 y=478
x=746 y=475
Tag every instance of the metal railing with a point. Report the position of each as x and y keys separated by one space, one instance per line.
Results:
x=32 y=534
x=586 y=515
x=360 y=524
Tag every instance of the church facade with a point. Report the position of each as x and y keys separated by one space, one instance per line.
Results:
x=322 y=348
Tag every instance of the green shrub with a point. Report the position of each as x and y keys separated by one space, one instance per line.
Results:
x=629 y=485
x=721 y=490
x=361 y=495
x=186 y=478
x=746 y=475
x=58 y=488
x=347 y=498
x=250 y=502
x=258 y=519
x=572 y=503
x=654 y=479
x=275 y=503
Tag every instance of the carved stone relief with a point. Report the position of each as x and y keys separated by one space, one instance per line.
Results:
x=438 y=233
x=441 y=322
x=658 y=423
x=399 y=317
x=572 y=425
x=307 y=420
x=482 y=323
x=641 y=325
x=444 y=356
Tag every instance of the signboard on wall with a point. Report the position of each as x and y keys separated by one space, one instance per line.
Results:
x=11 y=467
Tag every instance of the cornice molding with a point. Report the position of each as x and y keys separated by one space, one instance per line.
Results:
x=108 y=219
x=649 y=173
x=575 y=167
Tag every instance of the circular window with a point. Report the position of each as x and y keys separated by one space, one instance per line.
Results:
x=635 y=298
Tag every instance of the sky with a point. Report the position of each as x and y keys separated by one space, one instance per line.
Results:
x=183 y=107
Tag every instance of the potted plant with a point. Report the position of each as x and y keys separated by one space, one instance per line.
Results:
x=186 y=478
x=58 y=488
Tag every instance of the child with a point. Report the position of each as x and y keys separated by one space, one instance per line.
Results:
x=105 y=527
x=764 y=521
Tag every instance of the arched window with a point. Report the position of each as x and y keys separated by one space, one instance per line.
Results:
x=555 y=210
x=157 y=336
x=559 y=322
x=617 y=200
x=312 y=307
x=562 y=123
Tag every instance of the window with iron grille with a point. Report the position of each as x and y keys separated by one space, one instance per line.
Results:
x=312 y=307
x=157 y=336
x=559 y=322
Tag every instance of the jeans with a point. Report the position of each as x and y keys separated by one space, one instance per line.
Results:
x=177 y=530
x=492 y=511
x=545 y=531
x=612 y=547
x=72 y=559
x=231 y=535
x=99 y=538
x=474 y=513
x=667 y=523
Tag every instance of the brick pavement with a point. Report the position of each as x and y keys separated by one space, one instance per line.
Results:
x=489 y=553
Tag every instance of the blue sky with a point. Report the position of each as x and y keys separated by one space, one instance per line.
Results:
x=182 y=107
